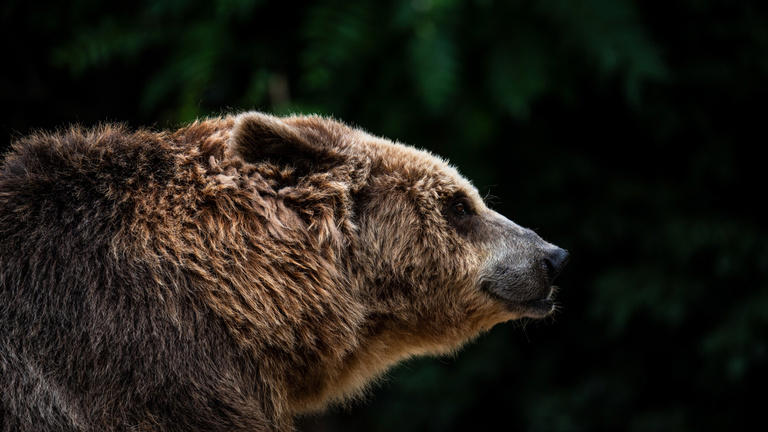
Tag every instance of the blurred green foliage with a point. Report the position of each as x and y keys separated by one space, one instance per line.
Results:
x=624 y=131
x=516 y=51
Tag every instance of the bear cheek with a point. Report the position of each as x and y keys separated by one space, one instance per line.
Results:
x=480 y=310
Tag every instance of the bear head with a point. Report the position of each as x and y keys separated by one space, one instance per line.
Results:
x=431 y=264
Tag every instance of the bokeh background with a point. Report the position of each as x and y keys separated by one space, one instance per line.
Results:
x=630 y=133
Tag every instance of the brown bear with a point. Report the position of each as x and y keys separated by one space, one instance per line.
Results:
x=238 y=272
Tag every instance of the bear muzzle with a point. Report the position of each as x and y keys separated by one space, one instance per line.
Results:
x=522 y=269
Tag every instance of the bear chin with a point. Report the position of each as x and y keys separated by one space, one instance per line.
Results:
x=537 y=308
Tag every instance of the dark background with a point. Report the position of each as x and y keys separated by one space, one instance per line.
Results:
x=630 y=133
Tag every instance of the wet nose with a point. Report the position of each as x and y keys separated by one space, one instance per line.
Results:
x=555 y=261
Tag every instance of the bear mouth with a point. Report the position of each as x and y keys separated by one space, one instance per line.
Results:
x=536 y=308
x=539 y=308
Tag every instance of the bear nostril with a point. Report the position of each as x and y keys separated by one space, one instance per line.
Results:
x=555 y=261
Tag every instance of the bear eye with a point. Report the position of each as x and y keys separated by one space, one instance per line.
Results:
x=460 y=207
x=459 y=212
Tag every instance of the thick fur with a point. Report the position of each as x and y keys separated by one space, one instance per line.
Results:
x=227 y=276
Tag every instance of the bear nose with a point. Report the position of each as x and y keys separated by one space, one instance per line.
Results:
x=555 y=261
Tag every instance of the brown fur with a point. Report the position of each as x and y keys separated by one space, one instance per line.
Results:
x=226 y=276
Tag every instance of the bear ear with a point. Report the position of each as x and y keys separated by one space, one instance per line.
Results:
x=257 y=136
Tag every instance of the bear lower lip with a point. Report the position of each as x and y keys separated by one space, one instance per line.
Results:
x=538 y=308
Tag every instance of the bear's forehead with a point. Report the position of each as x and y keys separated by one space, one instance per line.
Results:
x=414 y=165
